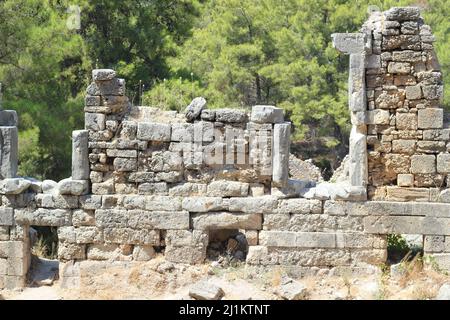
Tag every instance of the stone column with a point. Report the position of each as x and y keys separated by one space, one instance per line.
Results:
x=281 y=145
x=355 y=45
x=8 y=144
x=80 y=155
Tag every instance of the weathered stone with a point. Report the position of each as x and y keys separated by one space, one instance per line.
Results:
x=430 y=146
x=299 y=206
x=230 y=116
x=106 y=187
x=443 y=163
x=205 y=291
x=94 y=121
x=8 y=151
x=413 y=92
x=8 y=118
x=187 y=238
x=188 y=189
x=226 y=220
x=280 y=159
x=297 y=239
x=153 y=188
x=83 y=218
x=208 y=115
x=434 y=243
x=204 y=204
x=405 y=180
x=6 y=216
x=406 y=56
x=191 y=255
x=404 y=146
x=80 y=158
x=194 y=109
x=153 y=131
x=358 y=170
x=121 y=153
x=113 y=87
x=131 y=236
x=183 y=132
x=399 y=67
x=290 y=289
x=350 y=43
x=14 y=185
x=125 y=164
x=143 y=253
x=407 y=194
x=264 y=204
x=378 y=116
x=407 y=225
x=433 y=92
x=103 y=74
x=423 y=164
x=267 y=114
x=436 y=134
x=430 y=118
x=104 y=252
x=73 y=187
x=44 y=217
x=163 y=203
x=223 y=188
x=402 y=13
x=410 y=27
x=139 y=219
x=406 y=121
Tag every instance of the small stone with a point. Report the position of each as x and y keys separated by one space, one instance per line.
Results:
x=292 y=290
x=206 y=291
x=444 y=292
x=231 y=116
x=73 y=187
x=194 y=109
x=267 y=114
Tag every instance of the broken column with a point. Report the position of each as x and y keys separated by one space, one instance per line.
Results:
x=8 y=142
x=281 y=145
x=355 y=45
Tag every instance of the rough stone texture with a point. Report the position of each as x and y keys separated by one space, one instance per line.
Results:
x=267 y=114
x=280 y=160
x=80 y=160
x=153 y=131
x=194 y=109
x=8 y=151
x=205 y=291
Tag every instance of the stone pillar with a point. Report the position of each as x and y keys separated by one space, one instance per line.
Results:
x=80 y=155
x=356 y=46
x=8 y=144
x=281 y=145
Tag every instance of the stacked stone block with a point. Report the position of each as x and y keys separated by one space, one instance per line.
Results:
x=407 y=140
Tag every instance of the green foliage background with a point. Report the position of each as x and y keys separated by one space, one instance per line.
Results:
x=235 y=53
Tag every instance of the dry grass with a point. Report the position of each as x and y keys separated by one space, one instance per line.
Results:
x=413 y=270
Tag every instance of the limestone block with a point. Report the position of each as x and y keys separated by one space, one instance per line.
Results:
x=187 y=238
x=191 y=255
x=131 y=236
x=281 y=149
x=94 y=121
x=71 y=251
x=106 y=187
x=430 y=146
x=299 y=206
x=434 y=243
x=121 y=153
x=139 y=219
x=208 y=115
x=227 y=220
x=358 y=159
x=267 y=114
x=113 y=87
x=410 y=27
x=13 y=249
x=378 y=116
x=163 y=203
x=399 y=67
x=430 y=118
x=13 y=186
x=111 y=218
x=223 y=188
x=356 y=83
x=389 y=99
x=80 y=159
x=8 y=152
x=404 y=146
x=183 y=132
x=264 y=204
x=407 y=225
x=231 y=116
x=350 y=43
x=83 y=218
x=43 y=217
x=104 y=252
x=406 y=56
x=143 y=253
x=413 y=92
x=73 y=187
x=443 y=163
x=405 y=180
x=442 y=260
x=153 y=188
x=407 y=194
x=125 y=164
x=189 y=189
x=423 y=164
x=433 y=92
x=204 y=204
x=297 y=239
x=103 y=74
x=436 y=134
x=153 y=131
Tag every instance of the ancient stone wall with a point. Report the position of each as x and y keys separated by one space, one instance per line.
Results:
x=146 y=181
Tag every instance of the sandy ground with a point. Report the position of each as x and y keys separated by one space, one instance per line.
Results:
x=158 y=279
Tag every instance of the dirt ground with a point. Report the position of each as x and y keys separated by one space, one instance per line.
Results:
x=158 y=279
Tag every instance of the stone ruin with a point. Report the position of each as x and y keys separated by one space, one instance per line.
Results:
x=146 y=181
